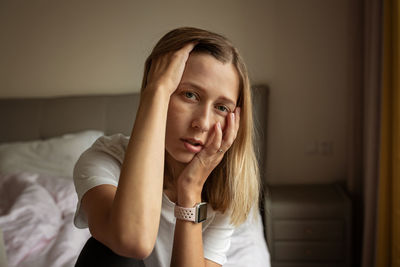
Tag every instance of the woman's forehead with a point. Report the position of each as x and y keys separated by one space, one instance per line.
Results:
x=211 y=75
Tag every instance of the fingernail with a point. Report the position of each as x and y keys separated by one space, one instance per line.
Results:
x=219 y=125
x=233 y=116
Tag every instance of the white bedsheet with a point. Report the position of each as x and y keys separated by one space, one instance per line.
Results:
x=36 y=213
x=36 y=217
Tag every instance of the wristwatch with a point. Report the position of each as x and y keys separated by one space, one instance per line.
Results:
x=196 y=214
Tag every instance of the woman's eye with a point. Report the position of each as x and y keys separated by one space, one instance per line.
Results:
x=222 y=108
x=190 y=95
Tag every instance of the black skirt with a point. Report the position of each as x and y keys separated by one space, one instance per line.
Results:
x=96 y=254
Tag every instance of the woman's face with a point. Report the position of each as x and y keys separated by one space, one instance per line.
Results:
x=207 y=93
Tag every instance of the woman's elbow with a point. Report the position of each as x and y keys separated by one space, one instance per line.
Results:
x=133 y=247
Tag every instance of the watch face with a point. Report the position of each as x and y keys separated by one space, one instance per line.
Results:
x=202 y=212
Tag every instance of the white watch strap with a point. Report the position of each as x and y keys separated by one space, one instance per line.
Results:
x=186 y=214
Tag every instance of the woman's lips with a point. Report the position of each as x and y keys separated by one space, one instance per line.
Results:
x=192 y=148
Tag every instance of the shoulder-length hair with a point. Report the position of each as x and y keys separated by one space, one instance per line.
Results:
x=234 y=184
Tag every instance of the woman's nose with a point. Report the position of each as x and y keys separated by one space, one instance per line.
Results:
x=202 y=120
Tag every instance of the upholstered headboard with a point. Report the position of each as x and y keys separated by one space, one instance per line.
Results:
x=24 y=119
x=39 y=118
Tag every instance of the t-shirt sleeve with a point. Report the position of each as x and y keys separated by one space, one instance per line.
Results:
x=217 y=238
x=100 y=164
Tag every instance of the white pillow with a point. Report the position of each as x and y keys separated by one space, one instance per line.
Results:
x=54 y=156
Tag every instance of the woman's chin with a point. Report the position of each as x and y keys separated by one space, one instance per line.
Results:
x=181 y=157
x=185 y=159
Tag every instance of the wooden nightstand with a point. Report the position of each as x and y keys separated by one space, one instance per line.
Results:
x=308 y=226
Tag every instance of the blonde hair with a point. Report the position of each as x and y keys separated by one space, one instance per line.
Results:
x=234 y=184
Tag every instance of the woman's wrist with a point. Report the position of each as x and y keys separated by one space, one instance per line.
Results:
x=156 y=90
x=188 y=190
x=188 y=199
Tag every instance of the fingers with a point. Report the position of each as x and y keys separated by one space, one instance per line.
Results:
x=220 y=142
x=167 y=70
x=233 y=122
x=211 y=155
x=186 y=49
x=216 y=142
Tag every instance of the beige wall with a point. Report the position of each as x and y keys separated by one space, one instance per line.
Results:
x=300 y=48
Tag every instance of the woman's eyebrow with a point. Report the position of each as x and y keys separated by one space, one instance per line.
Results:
x=197 y=87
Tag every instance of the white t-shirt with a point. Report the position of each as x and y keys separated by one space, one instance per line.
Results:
x=101 y=164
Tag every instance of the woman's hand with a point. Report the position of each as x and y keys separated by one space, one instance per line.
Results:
x=166 y=70
x=191 y=180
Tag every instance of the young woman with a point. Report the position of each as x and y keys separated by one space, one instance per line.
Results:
x=172 y=193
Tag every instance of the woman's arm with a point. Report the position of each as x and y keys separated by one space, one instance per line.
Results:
x=188 y=242
x=126 y=219
x=188 y=246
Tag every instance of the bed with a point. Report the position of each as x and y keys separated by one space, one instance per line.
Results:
x=40 y=141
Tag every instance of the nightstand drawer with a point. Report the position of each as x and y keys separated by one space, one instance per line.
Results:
x=312 y=251
x=308 y=230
